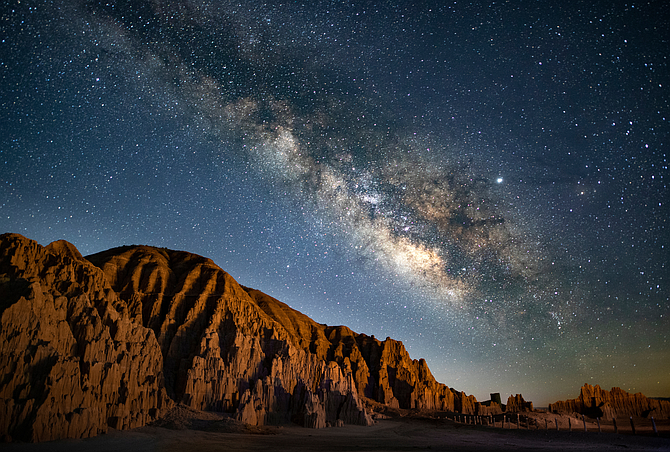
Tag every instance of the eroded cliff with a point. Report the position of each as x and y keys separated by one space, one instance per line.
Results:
x=73 y=363
x=596 y=402
x=221 y=350
x=113 y=339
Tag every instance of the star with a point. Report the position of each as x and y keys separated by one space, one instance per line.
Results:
x=394 y=142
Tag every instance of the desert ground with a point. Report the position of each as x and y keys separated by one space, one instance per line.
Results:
x=200 y=431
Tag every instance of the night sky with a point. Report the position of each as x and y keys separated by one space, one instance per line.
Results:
x=486 y=183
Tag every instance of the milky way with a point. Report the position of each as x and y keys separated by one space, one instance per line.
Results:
x=485 y=183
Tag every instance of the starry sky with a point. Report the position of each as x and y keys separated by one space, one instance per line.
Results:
x=486 y=182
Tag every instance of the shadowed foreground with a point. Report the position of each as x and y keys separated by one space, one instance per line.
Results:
x=222 y=434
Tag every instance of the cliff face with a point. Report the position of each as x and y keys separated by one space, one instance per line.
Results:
x=114 y=339
x=596 y=402
x=517 y=404
x=382 y=370
x=72 y=362
x=221 y=350
x=258 y=337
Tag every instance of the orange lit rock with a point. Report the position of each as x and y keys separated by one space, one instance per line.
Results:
x=596 y=402
x=517 y=404
x=230 y=348
x=113 y=339
x=186 y=299
x=73 y=363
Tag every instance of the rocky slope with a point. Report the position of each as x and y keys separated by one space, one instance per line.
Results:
x=168 y=291
x=596 y=402
x=221 y=350
x=114 y=339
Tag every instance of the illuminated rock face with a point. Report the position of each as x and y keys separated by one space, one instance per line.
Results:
x=218 y=338
x=517 y=404
x=73 y=363
x=222 y=350
x=114 y=339
x=596 y=402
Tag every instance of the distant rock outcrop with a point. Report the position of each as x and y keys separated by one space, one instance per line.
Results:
x=596 y=402
x=490 y=407
x=516 y=404
x=113 y=339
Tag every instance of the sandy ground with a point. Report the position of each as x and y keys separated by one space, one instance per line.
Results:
x=210 y=432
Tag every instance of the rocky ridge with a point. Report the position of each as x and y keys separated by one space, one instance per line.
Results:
x=615 y=403
x=116 y=338
x=258 y=337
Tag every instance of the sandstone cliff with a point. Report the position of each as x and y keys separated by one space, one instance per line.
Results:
x=517 y=404
x=596 y=402
x=383 y=370
x=221 y=350
x=72 y=362
x=259 y=337
x=113 y=339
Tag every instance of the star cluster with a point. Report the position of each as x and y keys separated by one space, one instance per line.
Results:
x=485 y=182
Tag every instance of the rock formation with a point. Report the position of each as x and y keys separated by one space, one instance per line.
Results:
x=222 y=350
x=114 y=339
x=257 y=337
x=596 y=402
x=72 y=362
x=382 y=370
x=490 y=407
x=516 y=404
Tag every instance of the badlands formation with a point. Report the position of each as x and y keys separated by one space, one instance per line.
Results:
x=616 y=403
x=117 y=338
x=120 y=338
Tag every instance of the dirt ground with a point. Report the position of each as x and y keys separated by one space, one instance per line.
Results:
x=198 y=431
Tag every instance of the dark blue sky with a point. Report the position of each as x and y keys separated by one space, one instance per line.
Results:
x=486 y=183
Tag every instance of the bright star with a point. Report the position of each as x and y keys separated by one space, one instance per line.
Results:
x=499 y=180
